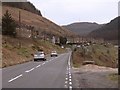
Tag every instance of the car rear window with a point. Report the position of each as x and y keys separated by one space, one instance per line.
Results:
x=38 y=53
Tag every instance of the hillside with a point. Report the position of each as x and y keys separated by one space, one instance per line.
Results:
x=40 y=23
x=109 y=31
x=82 y=28
x=23 y=5
x=12 y=54
x=21 y=49
x=102 y=55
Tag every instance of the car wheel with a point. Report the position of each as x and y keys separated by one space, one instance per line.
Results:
x=35 y=60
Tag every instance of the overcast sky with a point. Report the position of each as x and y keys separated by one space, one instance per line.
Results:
x=64 y=12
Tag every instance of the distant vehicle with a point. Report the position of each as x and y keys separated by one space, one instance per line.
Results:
x=78 y=46
x=39 y=56
x=62 y=46
x=54 y=53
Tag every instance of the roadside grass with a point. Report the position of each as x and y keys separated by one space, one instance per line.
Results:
x=102 y=55
x=48 y=47
x=113 y=77
x=13 y=54
x=77 y=59
x=24 y=52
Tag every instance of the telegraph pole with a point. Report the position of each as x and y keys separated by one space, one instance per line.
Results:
x=19 y=23
x=19 y=43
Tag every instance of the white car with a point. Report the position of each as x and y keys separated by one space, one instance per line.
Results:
x=54 y=53
x=39 y=56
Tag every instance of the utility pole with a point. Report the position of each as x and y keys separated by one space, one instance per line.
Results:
x=19 y=43
x=19 y=23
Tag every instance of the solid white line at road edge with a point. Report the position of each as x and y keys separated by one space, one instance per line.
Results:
x=15 y=78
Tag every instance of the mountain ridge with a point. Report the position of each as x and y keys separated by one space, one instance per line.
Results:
x=40 y=23
x=82 y=28
x=109 y=31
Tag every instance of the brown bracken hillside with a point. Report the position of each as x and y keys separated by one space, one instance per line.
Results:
x=40 y=23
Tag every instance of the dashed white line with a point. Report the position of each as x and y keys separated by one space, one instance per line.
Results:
x=30 y=70
x=43 y=63
x=70 y=83
x=66 y=82
x=65 y=86
x=70 y=87
x=15 y=78
x=70 y=80
x=70 y=77
x=66 y=78
x=38 y=66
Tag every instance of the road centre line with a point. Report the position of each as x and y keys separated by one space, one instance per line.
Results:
x=38 y=66
x=15 y=78
x=43 y=63
x=12 y=79
x=30 y=70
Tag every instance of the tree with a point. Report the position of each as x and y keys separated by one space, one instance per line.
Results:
x=8 y=25
x=63 y=40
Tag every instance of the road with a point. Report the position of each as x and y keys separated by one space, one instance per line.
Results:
x=93 y=76
x=53 y=73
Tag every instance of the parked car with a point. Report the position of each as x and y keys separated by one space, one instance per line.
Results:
x=54 y=53
x=39 y=56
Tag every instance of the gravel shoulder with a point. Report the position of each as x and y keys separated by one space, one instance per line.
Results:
x=93 y=76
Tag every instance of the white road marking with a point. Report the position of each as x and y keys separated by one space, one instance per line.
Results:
x=70 y=77
x=43 y=63
x=70 y=87
x=69 y=60
x=66 y=82
x=70 y=83
x=30 y=70
x=68 y=73
x=15 y=78
x=65 y=86
x=38 y=66
x=66 y=78
x=70 y=80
